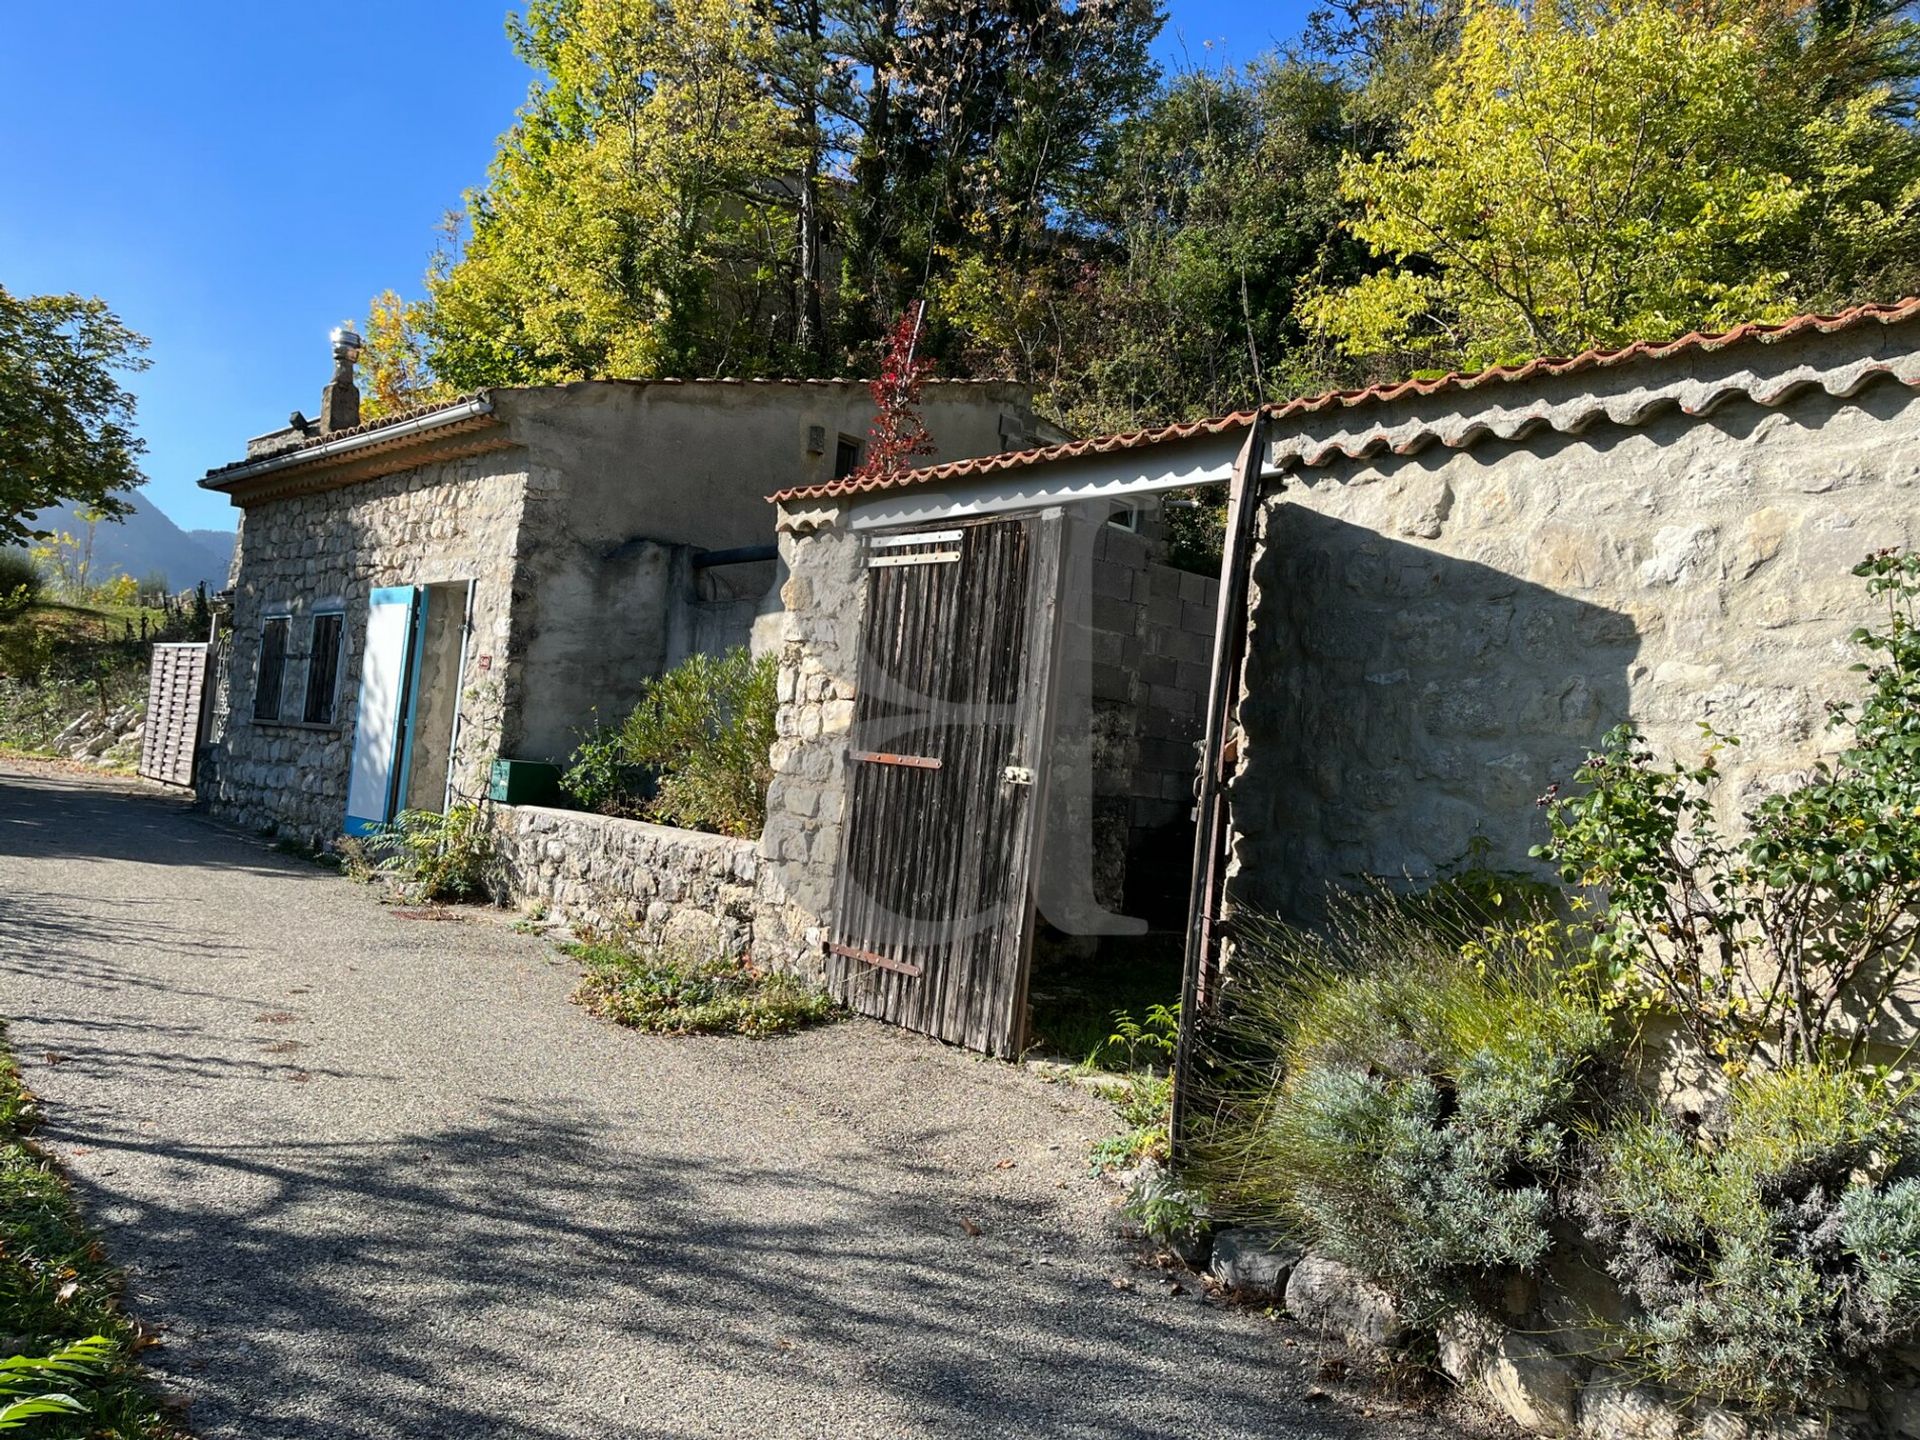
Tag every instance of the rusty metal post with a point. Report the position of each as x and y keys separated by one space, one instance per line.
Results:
x=1211 y=838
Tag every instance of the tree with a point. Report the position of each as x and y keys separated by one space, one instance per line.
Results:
x=393 y=370
x=982 y=127
x=1592 y=173
x=1215 y=208
x=66 y=423
x=629 y=216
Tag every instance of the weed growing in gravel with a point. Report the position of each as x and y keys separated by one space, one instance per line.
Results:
x=56 y=1288
x=676 y=993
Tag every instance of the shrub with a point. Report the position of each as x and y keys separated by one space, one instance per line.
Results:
x=700 y=738
x=1762 y=946
x=1142 y=1104
x=1408 y=1110
x=673 y=992
x=437 y=857
x=1772 y=1259
x=20 y=580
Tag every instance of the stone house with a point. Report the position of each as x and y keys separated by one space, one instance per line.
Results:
x=1450 y=590
x=417 y=596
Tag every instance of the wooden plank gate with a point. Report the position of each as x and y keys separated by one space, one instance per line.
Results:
x=933 y=911
x=176 y=688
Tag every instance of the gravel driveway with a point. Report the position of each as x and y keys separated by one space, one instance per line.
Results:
x=375 y=1176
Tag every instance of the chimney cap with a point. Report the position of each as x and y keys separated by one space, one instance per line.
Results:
x=346 y=340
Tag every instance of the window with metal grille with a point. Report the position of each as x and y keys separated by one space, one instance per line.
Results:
x=846 y=457
x=267 y=684
x=323 y=668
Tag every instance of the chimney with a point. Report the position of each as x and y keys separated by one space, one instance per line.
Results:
x=340 y=401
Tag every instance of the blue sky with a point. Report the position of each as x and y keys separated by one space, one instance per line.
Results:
x=237 y=178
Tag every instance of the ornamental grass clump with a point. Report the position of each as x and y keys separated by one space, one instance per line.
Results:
x=1406 y=1105
x=1774 y=1256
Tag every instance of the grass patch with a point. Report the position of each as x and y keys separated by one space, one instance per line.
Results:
x=673 y=993
x=56 y=1286
x=1075 y=1002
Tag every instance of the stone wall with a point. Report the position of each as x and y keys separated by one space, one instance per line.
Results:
x=453 y=521
x=1438 y=637
x=817 y=637
x=678 y=888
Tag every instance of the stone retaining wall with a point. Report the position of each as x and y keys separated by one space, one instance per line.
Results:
x=1543 y=1366
x=680 y=888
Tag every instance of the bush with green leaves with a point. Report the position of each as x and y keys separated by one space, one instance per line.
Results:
x=693 y=753
x=1773 y=1258
x=673 y=991
x=1773 y=945
x=435 y=857
x=21 y=580
x=1403 y=1107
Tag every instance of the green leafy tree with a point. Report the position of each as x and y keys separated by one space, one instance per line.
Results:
x=624 y=228
x=1592 y=173
x=66 y=422
x=392 y=372
x=1215 y=207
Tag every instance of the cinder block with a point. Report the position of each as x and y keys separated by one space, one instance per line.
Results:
x=1193 y=588
x=1124 y=547
x=1150 y=814
x=1163 y=580
x=1192 y=677
x=1112 y=580
x=1163 y=612
x=1110 y=682
x=1197 y=617
x=1186 y=645
x=1160 y=670
x=1122 y=617
x=1172 y=699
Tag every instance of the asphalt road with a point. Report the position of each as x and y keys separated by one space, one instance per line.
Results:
x=375 y=1176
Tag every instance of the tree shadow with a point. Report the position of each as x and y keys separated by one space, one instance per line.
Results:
x=53 y=817
x=583 y=1288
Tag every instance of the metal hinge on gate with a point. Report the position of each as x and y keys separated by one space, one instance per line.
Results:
x=875 y=959
x=1017 y=775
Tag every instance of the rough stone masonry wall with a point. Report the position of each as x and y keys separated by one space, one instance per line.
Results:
x=817 y=637
x=451 y=521
x=1437 y=638
x=677 y=888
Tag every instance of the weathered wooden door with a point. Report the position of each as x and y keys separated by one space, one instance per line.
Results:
x=933 y=911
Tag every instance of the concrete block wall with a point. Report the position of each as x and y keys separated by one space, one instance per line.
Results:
x=1438 y=637
x=1152 y=635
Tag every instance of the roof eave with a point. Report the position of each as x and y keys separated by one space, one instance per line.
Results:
x=471 y=427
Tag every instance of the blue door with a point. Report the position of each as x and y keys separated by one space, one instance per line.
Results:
x=389 y=691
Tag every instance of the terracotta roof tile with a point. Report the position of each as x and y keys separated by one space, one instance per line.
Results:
x=1333 y=400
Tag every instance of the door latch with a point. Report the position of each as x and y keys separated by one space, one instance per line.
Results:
x=1017 y=775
